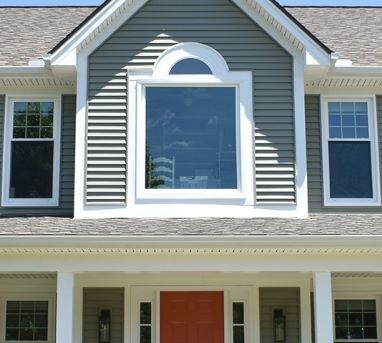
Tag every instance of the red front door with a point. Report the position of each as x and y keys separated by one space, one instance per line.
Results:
x=192 y=317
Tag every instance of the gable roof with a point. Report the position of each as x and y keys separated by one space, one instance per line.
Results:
x=352 y=32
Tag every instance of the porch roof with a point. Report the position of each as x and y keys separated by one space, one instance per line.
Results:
x=315 y=225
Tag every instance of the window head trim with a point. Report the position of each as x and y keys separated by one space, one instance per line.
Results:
x=140 y=78
x=6 y=200
x=374 y=155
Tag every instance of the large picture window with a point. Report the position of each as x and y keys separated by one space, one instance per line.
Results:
x=31 y=153
x=194 y=132
x=191 y=137
x=350 y=156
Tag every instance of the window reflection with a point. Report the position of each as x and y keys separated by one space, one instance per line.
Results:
x=191 y=137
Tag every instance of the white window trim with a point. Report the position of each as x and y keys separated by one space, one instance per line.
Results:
x=359 y=297
x=29 y=297
x=6 y=201
x=159 y=76
x=372 y=113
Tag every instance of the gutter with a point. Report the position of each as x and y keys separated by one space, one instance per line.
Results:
x=324 y=241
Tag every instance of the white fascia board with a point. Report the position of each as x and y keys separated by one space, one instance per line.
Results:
x=319 y=241
x=24 y=71
x=315 y=51
x=360 y=71
x=68 y=51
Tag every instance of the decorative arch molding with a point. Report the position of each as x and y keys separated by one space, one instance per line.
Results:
x=212 y=58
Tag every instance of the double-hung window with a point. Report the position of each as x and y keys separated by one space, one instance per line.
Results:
x=31 y=152
x=351 y=175
x=194 y=128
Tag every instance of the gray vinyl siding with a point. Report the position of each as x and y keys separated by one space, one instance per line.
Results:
x=314 y=158
x=243 y=44
x=65 y=207
x=96 y=299
x=287 y=299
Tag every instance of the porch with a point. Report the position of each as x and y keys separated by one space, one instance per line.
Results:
x=256 y=306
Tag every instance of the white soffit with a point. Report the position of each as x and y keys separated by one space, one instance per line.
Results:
x=115 y=13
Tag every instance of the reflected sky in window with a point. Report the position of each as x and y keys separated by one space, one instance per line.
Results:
x=191 y=137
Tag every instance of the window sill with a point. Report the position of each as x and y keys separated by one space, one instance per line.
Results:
x=30 y=203
x=352 y=203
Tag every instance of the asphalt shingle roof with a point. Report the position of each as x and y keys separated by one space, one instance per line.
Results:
x=29 y=33
x=353 y=32
x=322 y=224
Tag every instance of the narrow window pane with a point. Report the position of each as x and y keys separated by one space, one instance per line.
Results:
x=190 y=66
x=47 y=107
x=238 y=334
x=41 y=334
x=191 y=137
x=350 y=170
x=33 y=132
x=31 y=169
x=238 y=313
x=145 y=334
x=145 y=313
x=26 y=334
x=369 y=306
x=19 y=120
x=34 y=107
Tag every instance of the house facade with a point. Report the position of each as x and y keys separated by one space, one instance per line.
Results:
x=190 y=171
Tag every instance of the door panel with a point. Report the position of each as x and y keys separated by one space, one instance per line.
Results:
x=192 y=317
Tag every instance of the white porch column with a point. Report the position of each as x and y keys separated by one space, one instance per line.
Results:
x=323 y=307
x=64 y=315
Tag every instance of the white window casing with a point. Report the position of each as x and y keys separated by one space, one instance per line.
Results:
x=6 y=200
x=358 y=296
x=28 y=297
x=374 y=158
x=139 y=79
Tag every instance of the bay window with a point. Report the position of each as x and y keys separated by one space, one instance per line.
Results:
x=351 y=175
x=31 y=152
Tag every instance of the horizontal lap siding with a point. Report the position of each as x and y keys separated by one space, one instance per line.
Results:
x=286 y=299
x=221 y=25
x=96 y=299
x=314 y=157
x=67 y=164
